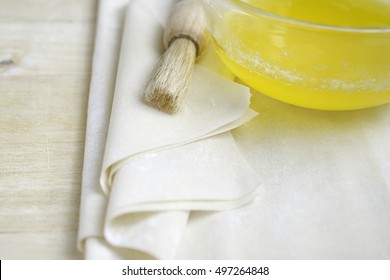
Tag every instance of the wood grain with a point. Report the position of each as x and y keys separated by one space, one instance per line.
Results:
x=45 y=63
x=47 y=11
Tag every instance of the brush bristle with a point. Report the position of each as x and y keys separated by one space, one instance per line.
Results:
x=171 y=78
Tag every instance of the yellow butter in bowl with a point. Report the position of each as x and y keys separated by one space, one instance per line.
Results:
x=320 y=54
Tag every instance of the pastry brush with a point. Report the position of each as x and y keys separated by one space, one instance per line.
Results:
x=185 y=38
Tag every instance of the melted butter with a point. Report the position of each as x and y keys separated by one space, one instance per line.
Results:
x=306 y=67
x=358 y=13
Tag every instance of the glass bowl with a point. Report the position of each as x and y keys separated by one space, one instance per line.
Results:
x=317 y=65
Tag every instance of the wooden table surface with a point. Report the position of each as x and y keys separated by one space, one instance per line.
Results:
x=45 y=65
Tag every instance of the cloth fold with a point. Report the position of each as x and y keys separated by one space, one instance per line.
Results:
x=108 y=35
x=158 y=168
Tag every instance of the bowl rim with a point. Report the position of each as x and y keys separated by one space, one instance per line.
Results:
x=264 y=13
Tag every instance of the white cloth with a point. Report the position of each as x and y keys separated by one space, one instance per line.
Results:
x=105 y=62
x=325 y=193
x=157 y=168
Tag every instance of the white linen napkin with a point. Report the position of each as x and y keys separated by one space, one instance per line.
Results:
x=105 y=61
x=157 y=168
x=327 y=178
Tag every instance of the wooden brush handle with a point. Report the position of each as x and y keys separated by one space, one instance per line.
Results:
x=188 y=20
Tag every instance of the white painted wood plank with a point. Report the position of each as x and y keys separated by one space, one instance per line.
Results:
x=39 y=245
x=45 y=62
x=47 y=11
